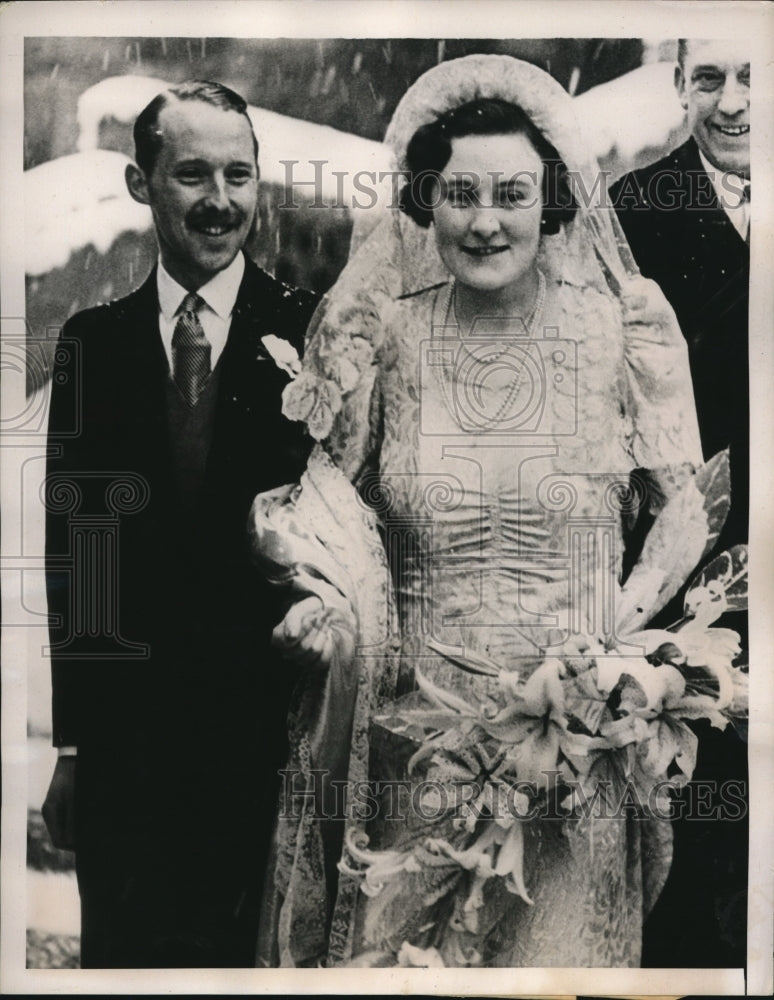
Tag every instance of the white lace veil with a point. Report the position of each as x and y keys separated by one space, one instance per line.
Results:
x=397 y=257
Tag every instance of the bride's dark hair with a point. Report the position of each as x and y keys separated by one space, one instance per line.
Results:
x=429 y=150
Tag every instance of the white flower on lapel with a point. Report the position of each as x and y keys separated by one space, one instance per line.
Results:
x=283 y=354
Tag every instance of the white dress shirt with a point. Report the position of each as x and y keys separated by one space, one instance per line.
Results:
x=219 y=295
x=729 y=189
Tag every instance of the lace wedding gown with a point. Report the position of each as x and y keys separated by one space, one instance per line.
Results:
x=499 y=469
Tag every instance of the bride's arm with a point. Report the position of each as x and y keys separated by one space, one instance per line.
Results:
x=682 y=503
x=661 y=402
x=295 y=539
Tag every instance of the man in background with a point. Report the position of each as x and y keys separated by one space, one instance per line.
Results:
x=166 y=780
x=687 y=220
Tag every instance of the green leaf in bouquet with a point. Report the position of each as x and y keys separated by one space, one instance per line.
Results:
x=681 y=535
x=398 y=717
x=656 y=683
x=472 y=663
x=511 y=730
x=583 y=700
x=463 y=740
x=412 y=716
x=701 y=707
x=449 y=768
x=721 y=586
x=440 y=698
x=601 y=775
x=670 y=742
x=713 y=480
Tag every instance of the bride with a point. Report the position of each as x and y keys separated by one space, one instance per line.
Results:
x=505 y=393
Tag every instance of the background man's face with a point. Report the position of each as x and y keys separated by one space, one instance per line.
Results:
x=714 y=88
x=203 y=190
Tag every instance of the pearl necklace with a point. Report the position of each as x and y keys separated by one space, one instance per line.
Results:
x=446 y=309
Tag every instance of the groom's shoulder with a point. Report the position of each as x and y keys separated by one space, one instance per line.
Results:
x=275 y=305
x=102 y=320
x=261 y=286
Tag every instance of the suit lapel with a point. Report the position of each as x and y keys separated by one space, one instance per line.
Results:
x=711 y=258
x=141 y=378
x=725 y=238
x=140 y=345
x=250 y=388
x=243 y=348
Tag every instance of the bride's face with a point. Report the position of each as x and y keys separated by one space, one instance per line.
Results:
x=487 y=219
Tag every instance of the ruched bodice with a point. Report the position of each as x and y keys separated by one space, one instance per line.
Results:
x=500 y=500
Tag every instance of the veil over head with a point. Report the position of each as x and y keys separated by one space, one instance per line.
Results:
x=550 y=108
x=397 y=257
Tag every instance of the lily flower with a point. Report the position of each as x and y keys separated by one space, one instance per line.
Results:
x=380 y=866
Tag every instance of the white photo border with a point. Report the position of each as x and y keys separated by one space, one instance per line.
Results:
x=398 y=19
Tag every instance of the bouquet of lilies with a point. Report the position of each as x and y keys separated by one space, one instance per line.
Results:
x=600 y=717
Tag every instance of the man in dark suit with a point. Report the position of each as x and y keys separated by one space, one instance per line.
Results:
x=687 y=221
x=168 y=707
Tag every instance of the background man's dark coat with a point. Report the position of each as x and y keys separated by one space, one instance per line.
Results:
x=178 y=751
x=683 y=239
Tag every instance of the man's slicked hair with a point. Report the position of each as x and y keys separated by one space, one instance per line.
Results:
x=147 y=133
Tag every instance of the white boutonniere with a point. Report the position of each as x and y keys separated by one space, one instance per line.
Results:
x=283 y=354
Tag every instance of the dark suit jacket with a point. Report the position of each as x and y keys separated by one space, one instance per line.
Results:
x=682 y=238
x=162 y=672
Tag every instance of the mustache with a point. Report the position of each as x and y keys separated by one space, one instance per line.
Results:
x=233 y=218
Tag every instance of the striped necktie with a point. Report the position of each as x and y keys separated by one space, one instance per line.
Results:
x=190 y=350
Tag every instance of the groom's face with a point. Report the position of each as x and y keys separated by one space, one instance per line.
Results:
x=202 y=190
